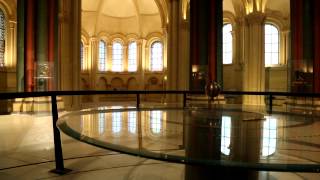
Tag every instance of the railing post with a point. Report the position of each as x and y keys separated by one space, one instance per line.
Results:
x=270 y=103
x=138 y=101
x=57 y=140
x=184 y=99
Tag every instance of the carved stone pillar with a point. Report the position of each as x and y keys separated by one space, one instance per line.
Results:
x=173 y=45
x=109 y=57
x=69 y=56
x=141 y=66
x=93 y=66
x=254 y=68
x=125 y=58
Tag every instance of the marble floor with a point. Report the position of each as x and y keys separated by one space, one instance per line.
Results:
x=26 y=152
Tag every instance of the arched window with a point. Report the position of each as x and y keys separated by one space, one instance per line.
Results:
x=269 y=140
x=132 y=59
x=81 y=56
x=271 y=48
x=132 y=121
x=227 y=44
x=226 y=135
x=102 y=56
x=155 y=121
x=117 y=57
x=156 y=61
x=2 y=37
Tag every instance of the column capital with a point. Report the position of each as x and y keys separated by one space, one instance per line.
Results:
x=93 y=39
x=12 y=23
x=255 y=18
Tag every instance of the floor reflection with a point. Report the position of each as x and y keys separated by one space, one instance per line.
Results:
x=229 y=136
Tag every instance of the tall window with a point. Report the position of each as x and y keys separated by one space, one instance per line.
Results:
x=132 y=59
x=155 y=121
x=2 y=37
x=156 y=61
x=81 y=56
x=269 y=140
x=225 y=135
x=271 y=47
x=227 y=44
x=132 y=121
x=102 y=56
x=117 y=57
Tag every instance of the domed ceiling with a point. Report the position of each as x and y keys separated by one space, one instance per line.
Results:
x=139 y=17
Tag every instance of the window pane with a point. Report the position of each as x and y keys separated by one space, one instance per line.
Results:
x=227 y=44
x=156 y=56
x=132 y=59
x=117 y=57
x=271 y=45
x=102 y=56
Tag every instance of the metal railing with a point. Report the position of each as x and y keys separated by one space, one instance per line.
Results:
x=60 y=169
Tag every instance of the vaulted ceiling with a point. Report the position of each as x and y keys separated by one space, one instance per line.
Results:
x=139 y=17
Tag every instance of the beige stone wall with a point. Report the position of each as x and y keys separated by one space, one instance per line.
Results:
x=277 y=78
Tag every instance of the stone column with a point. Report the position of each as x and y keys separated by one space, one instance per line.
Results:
x=141 y=66
x=302 y=43
x=316 y=48
x=125 y=58
x=29 y=47
x=284 y=46
x=11 y=57
x=205 y=42
x=69 y=42
x=37 y=45
x=41 y=43
x=184 y=41
x=93 y=60
x=173 y=45
x=254 y=68
x=20 y=45
x=109 y=58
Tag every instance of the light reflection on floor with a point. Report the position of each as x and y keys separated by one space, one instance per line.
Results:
x=26 y=141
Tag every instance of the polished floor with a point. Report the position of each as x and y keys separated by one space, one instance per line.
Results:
x=26 y=152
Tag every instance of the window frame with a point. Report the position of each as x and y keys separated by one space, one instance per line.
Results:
x=121 y=60
x=103 y=66
x=136 y=56
x=271 y=44
x=151 y=57
x=230 y=44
